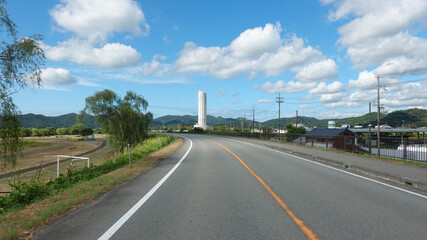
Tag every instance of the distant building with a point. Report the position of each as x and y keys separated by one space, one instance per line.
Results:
x=336 y=138
x=202 y=120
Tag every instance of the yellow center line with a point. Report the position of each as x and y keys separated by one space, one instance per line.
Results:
x=307 y=231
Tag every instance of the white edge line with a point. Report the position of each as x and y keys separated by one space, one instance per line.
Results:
x=141 y=202
x=337 y=169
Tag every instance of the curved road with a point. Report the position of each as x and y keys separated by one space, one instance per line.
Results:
x=226 y=189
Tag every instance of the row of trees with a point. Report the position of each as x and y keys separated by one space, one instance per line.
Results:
x=77 y=129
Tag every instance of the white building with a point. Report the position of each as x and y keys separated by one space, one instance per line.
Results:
x=202 y=121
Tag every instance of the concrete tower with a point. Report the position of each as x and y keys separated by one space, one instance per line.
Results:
x=202 y=122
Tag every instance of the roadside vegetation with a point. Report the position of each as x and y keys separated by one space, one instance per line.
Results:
x=32 y=203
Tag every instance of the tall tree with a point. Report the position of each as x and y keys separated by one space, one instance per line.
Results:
x=21 y=59
x=123 y=119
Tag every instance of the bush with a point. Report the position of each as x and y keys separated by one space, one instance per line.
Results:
x=24 y=193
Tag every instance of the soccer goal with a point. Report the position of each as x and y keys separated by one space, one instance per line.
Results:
x=73 y=158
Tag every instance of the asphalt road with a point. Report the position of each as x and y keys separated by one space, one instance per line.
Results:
x=226 y=189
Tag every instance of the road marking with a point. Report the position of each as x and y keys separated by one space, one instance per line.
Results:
x=141 y=202
x=307 y=231
x=337 y=169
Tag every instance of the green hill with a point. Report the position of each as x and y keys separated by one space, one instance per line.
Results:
x=172 y=120
x=410 y=118
x=40 y=121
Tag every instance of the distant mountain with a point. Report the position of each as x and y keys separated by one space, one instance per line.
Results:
x=172 y=120
x=410 y=118
x=307 y=121
x=40 y=121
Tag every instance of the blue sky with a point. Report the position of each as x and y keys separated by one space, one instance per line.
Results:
x=321 y=55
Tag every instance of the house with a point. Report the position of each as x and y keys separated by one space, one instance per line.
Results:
x=336 y=138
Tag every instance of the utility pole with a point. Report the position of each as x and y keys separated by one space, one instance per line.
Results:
x=279 y=100
x=253 y=119
x=378 y=117
x=370 y=125
x=296 y=120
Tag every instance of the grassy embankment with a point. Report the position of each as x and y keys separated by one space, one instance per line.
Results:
x=78 y=187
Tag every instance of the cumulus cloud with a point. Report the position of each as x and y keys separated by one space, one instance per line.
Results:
x=57 y=76
x=368 y=80
x=257 y=50
x=151 y=68
x=92 y=23
x=409 y=94
x=265 y=100
x=331 y=97
x=98 y=19
x=281 y=86
x=379 y=34
x=110 y=55
x=323 y=88
x=257 y=41
x=342 y=105
x=318 y=71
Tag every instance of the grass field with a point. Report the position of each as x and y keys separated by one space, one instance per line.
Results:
x=41 y=150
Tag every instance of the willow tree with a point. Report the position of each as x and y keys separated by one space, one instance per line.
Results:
x=125 y=120
x=21 y=59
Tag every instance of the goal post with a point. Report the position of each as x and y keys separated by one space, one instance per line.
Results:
x=72 y=159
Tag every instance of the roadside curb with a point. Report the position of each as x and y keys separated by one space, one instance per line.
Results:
x=412 y=183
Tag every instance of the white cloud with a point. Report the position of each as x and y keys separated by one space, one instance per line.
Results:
x=409 y=94
x=54 y=76
x=151 y=68
x=381 y=33
x=281 y=86
x=342 y=105
x=265 y=100
x=98 y=19
x=323 y=88
x=160 y=57
x=220 y=94
x=258 y=50
x=402 y=65
x=318 y=71
x=236 y=101
x=134 y=74
x=293 y=54
x=331 y=97
x=111 y=55
x=257 y=41
x=368 y=80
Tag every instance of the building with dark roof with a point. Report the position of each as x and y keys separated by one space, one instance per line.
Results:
x=336 y=138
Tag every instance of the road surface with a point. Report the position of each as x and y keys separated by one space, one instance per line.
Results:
x=225 y=189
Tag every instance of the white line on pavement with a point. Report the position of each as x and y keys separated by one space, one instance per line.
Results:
x=337 y=169
x=141 y=202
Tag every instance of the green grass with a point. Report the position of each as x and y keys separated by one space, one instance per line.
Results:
x=18 y=220
x=34 y=144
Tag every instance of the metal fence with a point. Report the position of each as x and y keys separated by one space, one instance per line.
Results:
x=399 y=147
